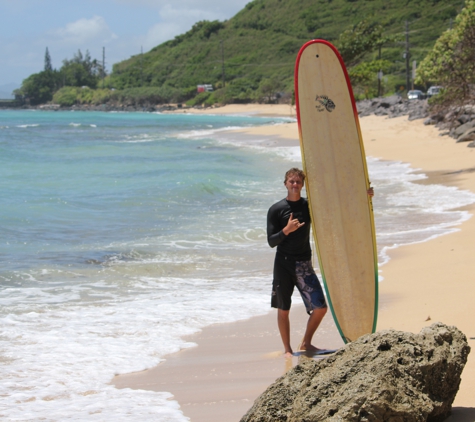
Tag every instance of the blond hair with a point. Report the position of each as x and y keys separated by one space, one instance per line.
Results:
x=294 y=171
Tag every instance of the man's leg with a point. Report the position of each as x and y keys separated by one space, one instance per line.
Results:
x=283 y=321
x=313 y=322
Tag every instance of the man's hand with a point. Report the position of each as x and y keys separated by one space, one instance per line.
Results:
x=292 y=225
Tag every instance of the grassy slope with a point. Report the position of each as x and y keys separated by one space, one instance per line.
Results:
x=263 y=39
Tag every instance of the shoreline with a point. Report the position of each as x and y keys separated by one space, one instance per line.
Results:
x=433 y=280
x=414 y=293
x=269 y=110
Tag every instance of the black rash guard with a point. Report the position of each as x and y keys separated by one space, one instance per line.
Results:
x=296 y=245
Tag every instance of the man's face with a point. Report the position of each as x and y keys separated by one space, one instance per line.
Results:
x=294 y=184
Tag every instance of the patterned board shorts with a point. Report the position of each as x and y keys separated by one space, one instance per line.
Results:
x=287 y=274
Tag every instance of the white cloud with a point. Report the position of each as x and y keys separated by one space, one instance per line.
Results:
x=223 y=9
x=160 y=33
x=178 y=17
x=173 y=22
x=83 y=31
x=111 y=26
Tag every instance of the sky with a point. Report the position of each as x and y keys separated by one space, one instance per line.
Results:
x=122 y=27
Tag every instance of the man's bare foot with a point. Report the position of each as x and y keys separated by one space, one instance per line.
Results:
x=308 y=348
x=288 y=353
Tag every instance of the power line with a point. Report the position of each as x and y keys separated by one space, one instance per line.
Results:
x=407 y=56
x=103 y=65
x=222 y=63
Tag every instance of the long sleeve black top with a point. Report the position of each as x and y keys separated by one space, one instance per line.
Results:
x=295 y=245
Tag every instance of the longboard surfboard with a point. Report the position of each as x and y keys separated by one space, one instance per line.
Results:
x=337 y=182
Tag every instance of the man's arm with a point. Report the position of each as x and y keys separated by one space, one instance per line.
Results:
x=276 y=236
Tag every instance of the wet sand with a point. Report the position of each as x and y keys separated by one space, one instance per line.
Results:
x=423 y=283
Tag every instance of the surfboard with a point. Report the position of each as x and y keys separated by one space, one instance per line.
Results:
x=336 y=184
x=321 y=352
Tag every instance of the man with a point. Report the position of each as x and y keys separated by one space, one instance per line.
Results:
x=288 y=228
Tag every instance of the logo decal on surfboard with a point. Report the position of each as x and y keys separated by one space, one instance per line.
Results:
x=324 y=103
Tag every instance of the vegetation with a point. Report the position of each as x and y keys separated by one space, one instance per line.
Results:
x=70 y=95
x=251 y=57
x=354 y=44
x=79 y=71
x=261 y=43
x=451 y=63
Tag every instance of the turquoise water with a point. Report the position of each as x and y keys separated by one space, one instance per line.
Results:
x=122 y=232
x=75 y=183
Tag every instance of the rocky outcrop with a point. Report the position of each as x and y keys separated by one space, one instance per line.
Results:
x=386 y=376
x=468 y=135
x=457 y=122
x=393 y=106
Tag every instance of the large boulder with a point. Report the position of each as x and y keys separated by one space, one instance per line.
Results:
x=460 y=130
x=468 y=136
x=387 y=376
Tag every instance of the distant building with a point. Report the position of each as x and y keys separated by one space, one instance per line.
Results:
x=205 y=88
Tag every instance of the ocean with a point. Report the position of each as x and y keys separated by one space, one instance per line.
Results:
x=122 y=232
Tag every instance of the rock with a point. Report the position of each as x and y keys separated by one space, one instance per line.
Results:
x=386 y=376
x=469 y=109
x=456 y=120
x=464 y=118
x=467 y=136
x=393 y=106
x=419 y=110
x=460 y=130
x=471 y=144
x=391 y=101
x=429 y=121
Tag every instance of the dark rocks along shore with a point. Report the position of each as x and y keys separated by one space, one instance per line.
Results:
x=458 y=123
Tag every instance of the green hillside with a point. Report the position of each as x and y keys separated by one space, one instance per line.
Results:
x=258 y=46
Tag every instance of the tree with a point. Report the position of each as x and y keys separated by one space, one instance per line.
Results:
x=362 y=38
x=269 y=89
x=40 y=87
x=451 y=63
x=81 y=71
x=364 y=77
x=354 y=45
x=48 y=65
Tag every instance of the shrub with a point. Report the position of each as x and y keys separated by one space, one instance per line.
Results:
x=66 y=96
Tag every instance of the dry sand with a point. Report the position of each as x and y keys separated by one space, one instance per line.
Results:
x=251 y=109
x=423 y=283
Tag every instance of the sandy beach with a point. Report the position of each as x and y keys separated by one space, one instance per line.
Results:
x=422 y=283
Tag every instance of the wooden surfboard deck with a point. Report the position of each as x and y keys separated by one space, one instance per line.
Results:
x=337 y=183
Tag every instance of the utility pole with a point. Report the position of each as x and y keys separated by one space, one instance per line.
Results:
x=141 y=66
x=407 y=55
x=414 y=69
x=380 y=73
x=103 y=65
x=222 y=70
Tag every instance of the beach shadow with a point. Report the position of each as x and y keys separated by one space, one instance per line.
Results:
x=462 y=414
x=319 y=353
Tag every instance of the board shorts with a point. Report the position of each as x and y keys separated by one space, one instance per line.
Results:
x=287 y=275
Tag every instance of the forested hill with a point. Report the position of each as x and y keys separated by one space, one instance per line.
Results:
x=255 y=51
